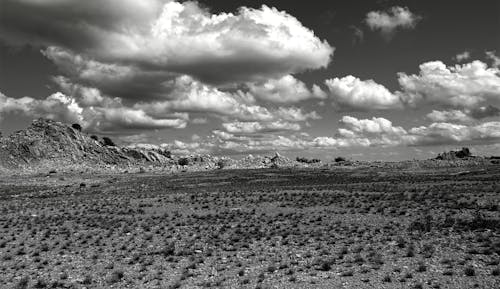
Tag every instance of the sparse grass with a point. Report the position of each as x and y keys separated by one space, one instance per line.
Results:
x=249 y=228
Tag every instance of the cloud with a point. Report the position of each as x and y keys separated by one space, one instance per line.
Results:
x=462 y=56
x=376 y=125
x=155 y=37
x=461 y=86
x=99 y=119
x=449 y=116
x=254 y=127
x=465 y=116
x=190 y=95
x=354 y=132
x=119 y=80
x=358 y=36
x=353 y=93
x=484 y=112
x=286 y=89
x=391 y=20
x=447 y=133
x=56 y=106
x=494 y=58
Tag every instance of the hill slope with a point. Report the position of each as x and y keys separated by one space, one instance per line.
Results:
x=47 y=142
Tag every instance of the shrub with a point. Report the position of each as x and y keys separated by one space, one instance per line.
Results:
x=94 y=137
x=22 y=283
x=339 y=159
x=495 y=272
x=115 y=277
x=76 y=126
x=387 y=279
x=469 y=271
x=421 y=267
x=108 y=142
x=183 y=161
x=307 y=161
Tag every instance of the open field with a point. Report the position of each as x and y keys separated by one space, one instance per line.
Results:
x=269 y=228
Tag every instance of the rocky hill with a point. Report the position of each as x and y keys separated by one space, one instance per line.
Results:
x=46 y=143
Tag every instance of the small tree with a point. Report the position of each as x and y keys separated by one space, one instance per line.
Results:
x=108 y=142
x=183 y=161
x=94 y=137
x=76 y=126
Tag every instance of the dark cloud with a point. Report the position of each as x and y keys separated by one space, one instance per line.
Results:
x=485 y=111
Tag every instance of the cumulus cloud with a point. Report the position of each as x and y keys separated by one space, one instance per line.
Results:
x=56 y=106
x=354 y=132
x=387 y=22
x=168 y=36
x=381 y=132
x=353 y=93
x=448 y=133
x=100 y=119
x=190 y=95
x=449 y=116
x=286 y=89
x=461 y=86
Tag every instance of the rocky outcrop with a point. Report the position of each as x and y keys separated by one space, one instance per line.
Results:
x=454 y=155
x=51 y=143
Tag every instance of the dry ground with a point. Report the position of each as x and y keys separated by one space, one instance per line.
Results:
x=271 y=228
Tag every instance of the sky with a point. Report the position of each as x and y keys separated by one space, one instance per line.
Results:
x=367 y=80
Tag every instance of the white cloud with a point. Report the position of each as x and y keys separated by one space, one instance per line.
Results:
x=460 y=86
x=286 y=89
x=374 y=132
x=448 y=133
x=449 y=116
x=392 y=19
x=190 y=95
x=56 y=106
x=104 y=119
x=254 y=127
x=376 y=125
x=462 y=56
x=352 y=93
x=167 y=36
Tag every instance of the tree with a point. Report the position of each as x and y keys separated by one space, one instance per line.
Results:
x=76 y=126
x=108 y=142
x=94 y=137
x=339 y=159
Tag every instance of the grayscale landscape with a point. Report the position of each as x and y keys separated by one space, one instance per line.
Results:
x=160 y=144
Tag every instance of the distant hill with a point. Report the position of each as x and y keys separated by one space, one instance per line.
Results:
x=48 y=145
